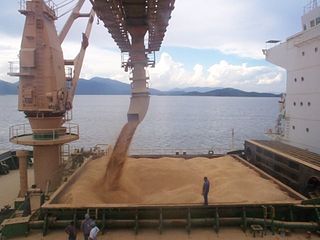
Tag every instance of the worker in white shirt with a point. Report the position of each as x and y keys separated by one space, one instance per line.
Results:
x=94 y=231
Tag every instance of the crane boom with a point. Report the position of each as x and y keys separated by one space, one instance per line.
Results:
x=78 y=61
x=73 y=16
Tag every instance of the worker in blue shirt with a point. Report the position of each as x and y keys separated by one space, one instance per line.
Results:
x=205 y=190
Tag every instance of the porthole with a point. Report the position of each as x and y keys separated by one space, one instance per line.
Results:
x=293 y=127
x=307 y=129
x=301 y=104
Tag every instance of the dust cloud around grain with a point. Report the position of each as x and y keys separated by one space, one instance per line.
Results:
x=173 y=181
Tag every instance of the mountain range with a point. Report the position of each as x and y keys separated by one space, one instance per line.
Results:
x=106 y=86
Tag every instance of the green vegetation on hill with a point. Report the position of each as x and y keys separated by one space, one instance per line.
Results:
x=106 y=86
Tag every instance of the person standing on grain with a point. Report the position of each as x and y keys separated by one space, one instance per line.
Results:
x=71 y=231
x=205 y=190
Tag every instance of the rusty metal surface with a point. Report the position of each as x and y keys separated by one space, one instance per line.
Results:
x=298 y=153
x=118 y=16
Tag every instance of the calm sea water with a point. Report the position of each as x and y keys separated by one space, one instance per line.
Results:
x=173 y=123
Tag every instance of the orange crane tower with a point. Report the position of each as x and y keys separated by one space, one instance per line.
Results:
x=45 y=91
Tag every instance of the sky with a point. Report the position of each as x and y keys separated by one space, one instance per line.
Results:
x=208 y=43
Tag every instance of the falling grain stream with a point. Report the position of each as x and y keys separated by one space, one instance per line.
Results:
x=119 y=155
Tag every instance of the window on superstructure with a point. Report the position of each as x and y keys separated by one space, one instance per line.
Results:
x=304 y=27
x=307 y=129
x=293 y=127
x=295 y=79
x=312 y=23
x=318 y=20
x=309 y=104
x=302 y=53
x=302 y=79
x=316 y=49
x=301 y=104
x=294 y=103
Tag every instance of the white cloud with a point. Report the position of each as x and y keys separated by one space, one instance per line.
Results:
x=97 y=61
x=169 y=74
x=271 y=79
x=231 y=26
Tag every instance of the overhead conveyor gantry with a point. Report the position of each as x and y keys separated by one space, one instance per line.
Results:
x=118 y=16
x=129 y=21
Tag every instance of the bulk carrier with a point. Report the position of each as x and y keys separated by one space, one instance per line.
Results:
x=47 y=85
x=293 y=155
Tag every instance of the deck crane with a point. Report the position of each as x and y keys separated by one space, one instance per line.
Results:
x=45 y=90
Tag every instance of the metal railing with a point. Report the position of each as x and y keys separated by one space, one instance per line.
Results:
x=65 y=152
x=15 y=71
x=69 y=73
x=126 y=60
x=50 y=4
x=24 y=129
x=23 y=5
x=19 y=130
x=14 y=67
x=311 y=5
x=178 y=151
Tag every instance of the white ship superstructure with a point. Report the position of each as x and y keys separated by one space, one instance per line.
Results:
x=299 y=119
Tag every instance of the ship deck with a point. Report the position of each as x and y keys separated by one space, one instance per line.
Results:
x=188 y=215
x=290 y=212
